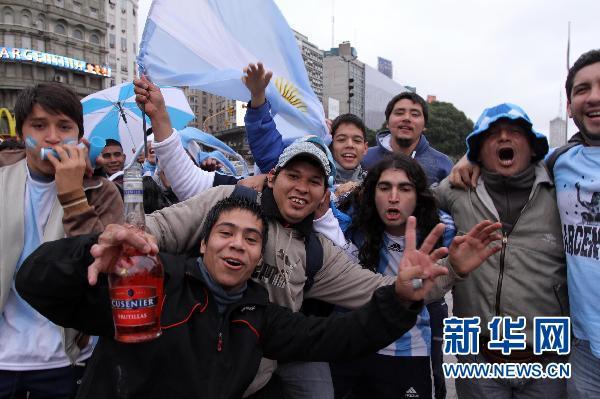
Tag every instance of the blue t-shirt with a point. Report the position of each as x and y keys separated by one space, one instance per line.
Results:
x=577 y=179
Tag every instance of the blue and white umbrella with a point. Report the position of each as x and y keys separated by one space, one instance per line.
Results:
x=201 y=145
x=113 y=114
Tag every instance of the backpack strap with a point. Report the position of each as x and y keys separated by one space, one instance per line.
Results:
x=244 y=192
x=551 y=160
x=314 y=259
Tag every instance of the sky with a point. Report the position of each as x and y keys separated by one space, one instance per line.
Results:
x=472 y=53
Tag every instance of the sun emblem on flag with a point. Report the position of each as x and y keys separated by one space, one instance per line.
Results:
x=290 y=93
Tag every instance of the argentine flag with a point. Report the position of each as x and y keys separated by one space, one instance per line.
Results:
x=205 y=44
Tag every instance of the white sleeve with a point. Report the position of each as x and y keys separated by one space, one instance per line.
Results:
x=185 y=177
x=328 y=226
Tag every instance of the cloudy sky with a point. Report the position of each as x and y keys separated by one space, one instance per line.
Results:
x=472 y=53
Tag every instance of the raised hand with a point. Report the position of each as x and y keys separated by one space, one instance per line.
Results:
x=256 y=79
x=464 y=174
x=210 y=165
x=107 y=250
x=467 y=252
x=150 y=99
x=419 y=263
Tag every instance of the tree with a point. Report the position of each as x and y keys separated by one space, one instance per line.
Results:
x=447 y=129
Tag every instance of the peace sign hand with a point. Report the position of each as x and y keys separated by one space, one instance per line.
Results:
x=419 y=264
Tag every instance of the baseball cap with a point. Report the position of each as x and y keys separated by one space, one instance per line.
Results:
x=313 y=147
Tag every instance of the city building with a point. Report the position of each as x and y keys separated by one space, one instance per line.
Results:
x=385 y=67
x=236 y=138
x=313 y=61
x=122 y=39
x=52 y=41
x=213 y=113
x=558 y=132
x=379 y=90
x=344 y=81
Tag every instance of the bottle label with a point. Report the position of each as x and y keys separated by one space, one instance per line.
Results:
x=134 y=306
x=133 y=191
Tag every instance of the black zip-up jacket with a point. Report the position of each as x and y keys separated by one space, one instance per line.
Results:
x=201 y=353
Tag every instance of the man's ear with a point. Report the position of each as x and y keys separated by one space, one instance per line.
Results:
x=270 y=178
x=569 y=109
x=202 y=247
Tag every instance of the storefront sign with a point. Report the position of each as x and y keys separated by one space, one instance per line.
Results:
x=29 y=55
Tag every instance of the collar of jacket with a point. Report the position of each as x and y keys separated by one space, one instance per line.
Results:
x=254 y=292
x=269 y=207
x=583 y=138
x=422 y=145
x=345 y=175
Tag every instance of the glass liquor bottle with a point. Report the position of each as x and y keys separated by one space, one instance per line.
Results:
x=136 y=279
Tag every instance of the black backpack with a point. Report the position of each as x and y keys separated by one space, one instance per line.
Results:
x=576 y=140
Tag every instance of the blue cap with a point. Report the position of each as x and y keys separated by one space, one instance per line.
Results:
x=539 y=142
x=314 y=147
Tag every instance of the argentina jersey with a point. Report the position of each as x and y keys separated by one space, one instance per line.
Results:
x=417 y=341
x=577 y=180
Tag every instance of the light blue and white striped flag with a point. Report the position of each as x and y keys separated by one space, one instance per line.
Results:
x=205 y=44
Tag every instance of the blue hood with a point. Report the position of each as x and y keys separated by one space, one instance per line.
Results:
x=539 y=142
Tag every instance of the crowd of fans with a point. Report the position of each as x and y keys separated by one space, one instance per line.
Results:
x=323 y=276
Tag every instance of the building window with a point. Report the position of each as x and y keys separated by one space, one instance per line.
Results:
x=9 y=18
x=26 y=19
x=78 y=34
x=26 y=41
x=60 y=29
x=134 y=48
x=9 y=40
x=94 y=39
x=93 y=12
x=111 y=40
x=123 y=44
x=39 y=23
x=77 y=7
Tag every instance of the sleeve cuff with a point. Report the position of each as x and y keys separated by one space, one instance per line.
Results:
x=74 y=200
x=254 y=115
x=174 y=136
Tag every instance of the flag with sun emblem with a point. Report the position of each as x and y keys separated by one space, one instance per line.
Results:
x=205 y=44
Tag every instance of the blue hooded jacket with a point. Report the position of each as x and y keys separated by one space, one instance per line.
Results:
x=435 y=164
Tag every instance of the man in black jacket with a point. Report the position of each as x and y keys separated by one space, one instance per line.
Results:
x=216 y=322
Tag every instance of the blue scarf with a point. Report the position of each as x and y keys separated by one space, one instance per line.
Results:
x=222 y=298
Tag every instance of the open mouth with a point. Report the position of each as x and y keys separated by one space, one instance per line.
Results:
x=594 y=114
x=233 y=263
x=349 y=157
x=298 y=201
x=506 y=156
x=392 y=214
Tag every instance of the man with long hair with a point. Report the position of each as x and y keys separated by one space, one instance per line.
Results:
x=394 y=190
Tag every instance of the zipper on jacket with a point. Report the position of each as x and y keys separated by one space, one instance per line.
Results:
x=503 y=250
x=501 y=274
x=220 y=342
x=220 y=335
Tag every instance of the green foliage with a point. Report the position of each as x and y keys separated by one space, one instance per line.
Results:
x=371 y=137
x=447 y=129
